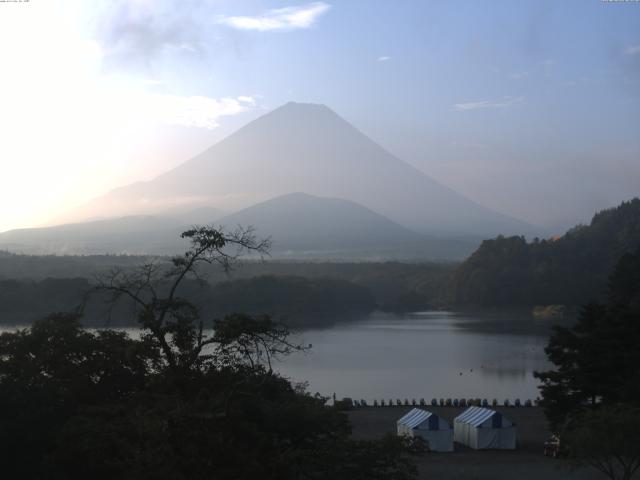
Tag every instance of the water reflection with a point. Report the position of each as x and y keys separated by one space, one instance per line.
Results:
x=425 y=354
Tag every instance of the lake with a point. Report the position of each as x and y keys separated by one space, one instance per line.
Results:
x=422 y=355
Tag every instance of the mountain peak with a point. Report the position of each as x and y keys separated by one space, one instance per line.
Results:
x=306 y=106
x=300 y=115
x=306 y=147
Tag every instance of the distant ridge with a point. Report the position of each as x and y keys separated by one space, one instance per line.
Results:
x=307 y=148
x=125 y=235
x=132 y=235
x=301 y=226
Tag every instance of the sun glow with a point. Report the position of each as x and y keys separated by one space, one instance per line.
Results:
x=70 y=129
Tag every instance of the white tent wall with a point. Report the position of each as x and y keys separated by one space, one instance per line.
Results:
x=438 y=440
x=462 y=433
x=496 y=438
x=480 y=428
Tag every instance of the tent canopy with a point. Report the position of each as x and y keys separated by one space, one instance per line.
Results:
x=479 y=417
x=421 y=423
x=423 y=420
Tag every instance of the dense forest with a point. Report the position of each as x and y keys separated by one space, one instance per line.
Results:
x=24 y=301
x=570 y=270
x=504 y=272
x=290 y=296
x=286 y=289
x=388 y=281
x=299 y=301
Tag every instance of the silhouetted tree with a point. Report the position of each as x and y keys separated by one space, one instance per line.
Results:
x=607 y=439
x=154 y=291
x=598 y=359
x=182 y=402
x=51 y=371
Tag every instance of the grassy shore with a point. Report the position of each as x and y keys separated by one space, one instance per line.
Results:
x=525 y=463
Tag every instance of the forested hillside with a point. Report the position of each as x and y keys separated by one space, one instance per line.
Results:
x=570 y=270
x=299 y=301
x=58 y=283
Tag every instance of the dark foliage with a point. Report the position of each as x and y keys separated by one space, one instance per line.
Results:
x=607 y=439
x=597 y=360
x=181 y=402
x=570 y=270
x=394 y=286
x=98 y=405
x=300 y=300
x=53 y=370
x=291 y=296
x=53 y=294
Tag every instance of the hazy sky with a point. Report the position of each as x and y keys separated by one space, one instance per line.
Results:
x=531 y=108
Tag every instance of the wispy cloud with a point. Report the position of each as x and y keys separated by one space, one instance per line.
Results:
x=384 y=58
x=633 y=50
x=135 y=33
x=287 y=18
x=502 y=103
x=194 y=111
x=247 y=99
x=518 y=75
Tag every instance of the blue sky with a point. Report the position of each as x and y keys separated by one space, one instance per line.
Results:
x=528 y=107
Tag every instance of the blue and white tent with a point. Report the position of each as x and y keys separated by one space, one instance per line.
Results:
x=436 y=431
x=482 y=428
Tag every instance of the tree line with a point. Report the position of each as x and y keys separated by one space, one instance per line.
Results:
x=592 y=395
x=570 y=270
x=301 y=301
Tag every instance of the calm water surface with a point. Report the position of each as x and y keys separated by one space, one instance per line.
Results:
x=428 y=354
x=421 y=355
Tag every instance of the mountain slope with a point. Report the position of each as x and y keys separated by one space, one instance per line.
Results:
x=307 y=148
x=302 y=225
x=572 y=269
x=126 y=235
x=132 y=234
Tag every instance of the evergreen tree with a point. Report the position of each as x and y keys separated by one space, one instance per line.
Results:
x=598 y=359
